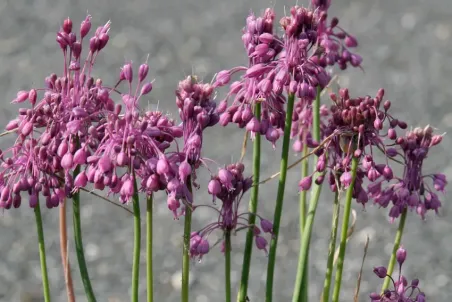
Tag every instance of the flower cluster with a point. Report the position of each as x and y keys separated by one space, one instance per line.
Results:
x=402 y=291
x=411 y=190
x=228 y=186
x=40 y=162
x=197 y=111
x=257 y=84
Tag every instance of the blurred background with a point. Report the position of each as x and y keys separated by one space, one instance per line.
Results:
x=406 y=46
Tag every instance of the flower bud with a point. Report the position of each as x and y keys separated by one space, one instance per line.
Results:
x=261 y=243
x=85 y=26
x=305 y=183
x=184 y=170
x=81 y=180
x=214 y=187
x=105 y=165
x=146 y=88
x=380 y=271
x=67 y=161
x=266 y=226
x=401 y=255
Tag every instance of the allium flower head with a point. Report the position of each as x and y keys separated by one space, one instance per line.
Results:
x=64 y=112
x=413 y=189
x=228 y=186
x=402 y=291
x=197 y=111
x=136 y=141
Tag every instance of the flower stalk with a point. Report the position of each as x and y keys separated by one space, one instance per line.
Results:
x=79 y=243
x=392 y=260
x=331 y=250
x=301 y=287
x=279 y=198
x=136 y=241
x=227 y=265
x=149 y=269
x=42 y=254
x=186 y=249
x=252 y=209
x=64 y=254
x=343 y=242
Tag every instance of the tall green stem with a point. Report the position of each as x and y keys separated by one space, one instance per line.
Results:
x=79 y=243
x=331 y=250
x=252 y=209
x=150 y=286
x=279 y=198
x=303 y=198
x=397 y=240
x=186 y=249
x=227 y=265
x=42 y=254
x=136 y=241
x=344 y=231
x=300 y=293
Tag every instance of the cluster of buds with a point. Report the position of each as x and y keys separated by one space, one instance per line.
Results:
x=402 y=291
x=71 y=105
x=411 y=190
x=197 y=111
x=228 y=186
x=256 y=85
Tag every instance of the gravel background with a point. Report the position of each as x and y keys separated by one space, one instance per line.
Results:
x=405 y=45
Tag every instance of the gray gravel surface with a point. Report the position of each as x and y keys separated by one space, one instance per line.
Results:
x=406 y=46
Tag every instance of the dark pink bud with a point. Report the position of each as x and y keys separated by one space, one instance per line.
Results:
x=128 y=72
x=375 y=297
x=392 y=134
x=378 y=124
x=146 y=88
x=346 y=179
x=62 y=148
x=436 y=139
x=387 y=173
x=225 y=118
x=266 y=226
x=256 y=71
x=203 y=247
x=122 y=159
x=401 y=255
x=380 y=271
x=266 y=38
x=226 y=178
x=373 y=174
x=402 y=125
x=105 y=165
x=222 y=78
x=214 y=187
x=103 y=40
x=14 y=124
x=261 y=243
x=67 y=161
x=355 y=60
x=85 y=26
x=94 y=44
x=6 y=193
x=272 y=135
x=391 y=152
x=253 y=125
x=81 y=180
x=27 y=128
x=153 y=183
x=67 y=25
x=80 y=157
x=173 y=204
x=143 y=72
x=351 y=41
x=184 y=170
x=305 y=183
x=162 y=166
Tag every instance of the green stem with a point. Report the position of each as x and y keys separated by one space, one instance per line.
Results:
x=331 y=250
x=252 y=209
x=344 y=231
x=279 y=198
x=136 y=241
x=79 y=244
x=186 y=249
x=227 y=265
x=303 y=199
x=42 y=254
x=300 y=293
x=150 y=288
x=397 y=240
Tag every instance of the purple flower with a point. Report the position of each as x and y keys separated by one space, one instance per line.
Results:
x=402 y=291
x=228 y=187
x=412 y=190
